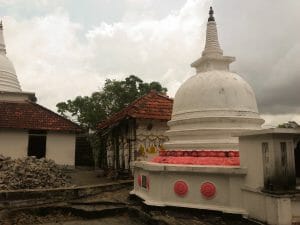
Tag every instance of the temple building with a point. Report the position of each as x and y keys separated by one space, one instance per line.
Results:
x=218 y=157
x=137 y=132
x=27 y=128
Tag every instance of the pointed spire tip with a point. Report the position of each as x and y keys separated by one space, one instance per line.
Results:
x=211 y=15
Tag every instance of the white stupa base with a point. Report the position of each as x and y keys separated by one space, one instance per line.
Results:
x=159 y=189
x=224 y=209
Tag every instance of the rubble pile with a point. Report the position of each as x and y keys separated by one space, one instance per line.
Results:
x=30 y=173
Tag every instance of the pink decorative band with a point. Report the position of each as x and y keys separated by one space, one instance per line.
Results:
x=200 y=157
x=200 y=153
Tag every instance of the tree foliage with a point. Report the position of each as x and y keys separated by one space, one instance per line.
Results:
x=88 y=111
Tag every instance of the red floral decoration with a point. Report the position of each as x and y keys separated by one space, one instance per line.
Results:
x=202 y=154
x=179 y=153
x=208 y=190
x=139 y=180
x=162 y=153
x=185 y=153
x=231 y=154
x=180 y=188
x=221 y=154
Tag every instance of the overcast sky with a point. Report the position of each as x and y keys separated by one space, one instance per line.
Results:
x=65 y=48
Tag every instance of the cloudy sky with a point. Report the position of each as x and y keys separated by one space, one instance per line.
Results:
x=65 y=48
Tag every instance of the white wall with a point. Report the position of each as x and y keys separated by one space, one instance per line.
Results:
x=271 y=209
x=60 y=147
x=13 y=143
x=251 y=158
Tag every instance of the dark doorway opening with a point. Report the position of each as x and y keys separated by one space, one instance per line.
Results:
x=297 y=160
x=37 y=144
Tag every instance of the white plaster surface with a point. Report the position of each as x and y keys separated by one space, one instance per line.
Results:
x=282 y=209
x=251 y=158
x=13 y=143
x=61 y=148
x=161 y=191
x=272 y=209
x=296 y=208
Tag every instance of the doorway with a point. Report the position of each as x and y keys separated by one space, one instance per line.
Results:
x=297 y=163
x=37 y=144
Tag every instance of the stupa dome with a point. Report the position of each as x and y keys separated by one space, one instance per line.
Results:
x=8 y=78
x=213 y=105
x=214 y=92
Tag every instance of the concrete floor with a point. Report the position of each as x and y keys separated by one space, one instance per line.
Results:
x=116 y=220
x=87 y=176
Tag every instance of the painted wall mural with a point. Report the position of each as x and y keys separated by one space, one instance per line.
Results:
x=140 y=140
x=149 y=146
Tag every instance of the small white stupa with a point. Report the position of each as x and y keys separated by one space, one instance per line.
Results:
x=8 y=78
x=214 y=104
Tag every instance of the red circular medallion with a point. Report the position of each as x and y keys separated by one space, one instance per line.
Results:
x=180 y=188
x=208 y=190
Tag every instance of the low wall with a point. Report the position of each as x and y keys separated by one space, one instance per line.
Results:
x=192 y=186
x=272 y=209
x=33 y=197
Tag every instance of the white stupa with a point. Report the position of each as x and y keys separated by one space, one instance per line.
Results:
x=213 y=104
x=8 y=78
x=204 y=167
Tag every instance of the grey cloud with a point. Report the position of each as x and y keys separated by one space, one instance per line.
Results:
x=264 y=36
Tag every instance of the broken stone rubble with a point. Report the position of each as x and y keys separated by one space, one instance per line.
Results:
x=31 y=173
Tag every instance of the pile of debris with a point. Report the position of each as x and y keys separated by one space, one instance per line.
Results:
x=31 y=173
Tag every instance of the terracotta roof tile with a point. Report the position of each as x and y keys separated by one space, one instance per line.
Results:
x=150 y=106
x=29 y=115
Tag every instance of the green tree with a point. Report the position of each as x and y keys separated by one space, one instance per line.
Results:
x=88 y=111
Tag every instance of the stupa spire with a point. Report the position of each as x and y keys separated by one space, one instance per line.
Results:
x=212 y=55
x=212 y=45
x=8 y=77
x=2 y=43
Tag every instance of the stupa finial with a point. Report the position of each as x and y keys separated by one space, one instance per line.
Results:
x=212 y=46
x=211 y=14
x=212 y=55
x=2 y=44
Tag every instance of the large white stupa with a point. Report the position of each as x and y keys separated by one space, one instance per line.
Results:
x=213 y=104
x=8 y=78
x=204 y=166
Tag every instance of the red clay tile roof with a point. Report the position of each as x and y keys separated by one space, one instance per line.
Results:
x=150 y=106
x=29 y=115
